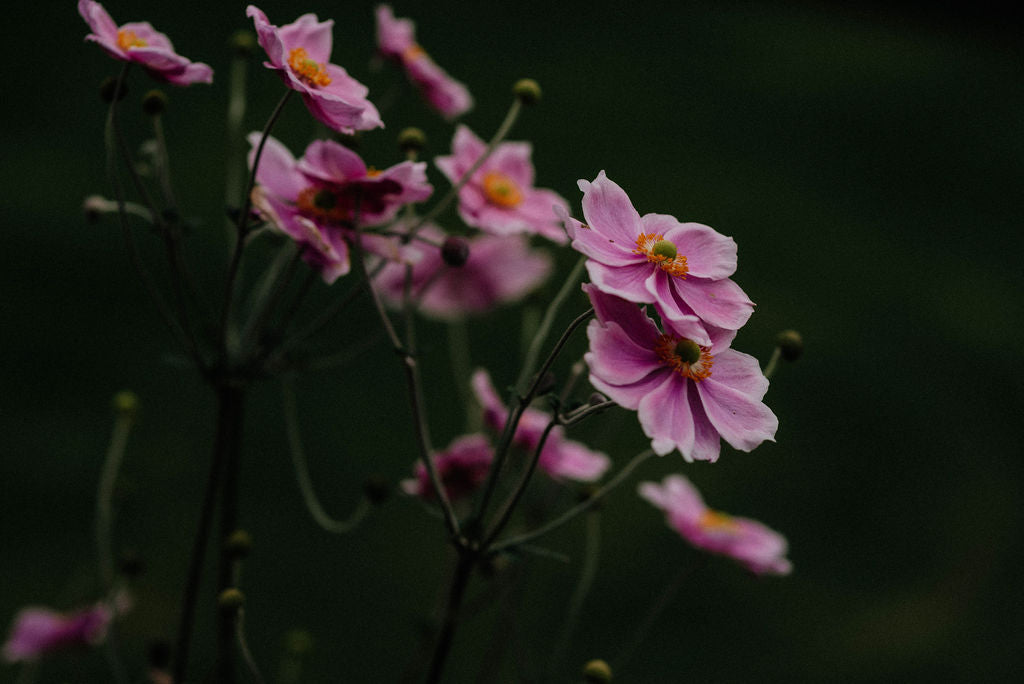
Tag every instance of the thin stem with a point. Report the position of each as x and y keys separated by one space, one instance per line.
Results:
x=271 y=293
x=235 y=115
x=164 y=164
x=105 y=497
x=231 y=406
x=579 y=595
x=309 y=497
x=459 y=357
x=773 y=363
x=584 y=412
x=574 y=375
x=243 y=647
x=544 y=330
x=575 y=510
x=463 y=571
x=503 y=129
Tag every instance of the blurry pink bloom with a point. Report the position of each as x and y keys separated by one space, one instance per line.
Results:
x=682 y=267
x=396 y=40
x=499 y=270
x=760 y=549
x=561 y=457
x=299 y=52
x=687 y=395
x=38 y=631
x=500 y=197
x=462 y=468
x=314 y=199
x=139 y=42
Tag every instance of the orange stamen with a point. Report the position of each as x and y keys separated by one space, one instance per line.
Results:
x=713 y=521
x=128 y=39
x=412 y=53
x=665 y=348
x=502 y=190
x=310 y=71
x=321 y=204
x=675 y=266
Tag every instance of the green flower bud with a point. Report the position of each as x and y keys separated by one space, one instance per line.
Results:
x=231 y=600
x=154 y=102
x=411 y=140
x=239 y=544
x=527 y=90
x=790 y=344
x=126 y=403
x=242 y=42
x=597 y=672
x=107 y=89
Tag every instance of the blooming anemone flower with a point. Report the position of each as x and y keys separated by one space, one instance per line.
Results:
x=500 y=197
x=38 y=631
x=561 y=457
x=462 y=468
x=760 y=549
x=686 y=394
x=317 y=199
x=139 y=42
x=300 y=53
x=682 y=267
x=396 y=40
x=499 y=270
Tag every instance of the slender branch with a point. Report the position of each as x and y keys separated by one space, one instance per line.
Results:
x=231 y=399
x=460 y=581
x=773 y=363
x=105 y=495
x=545 y=326
x=579 y=595
x=243 y=647
x=575 y=510
x=269 y=296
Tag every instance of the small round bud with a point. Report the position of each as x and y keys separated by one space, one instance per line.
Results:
x=376 y=489
x=791 y=344
x=107 y=87
x=231 y=600
x=126 y=403
x=239 y=544
x=664 y=248
x=129 y=564
x=411 y=140
x=596 y=398
x=597 y=672
x=298 y=642
x=242 y=42
x=154 y=102
x=688 y=350
x=527 y=90
x=454 y=251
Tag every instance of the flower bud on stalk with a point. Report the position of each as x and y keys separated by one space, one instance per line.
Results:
x=455 y=251
x=597 y=672
x=790 y=344
x=230 y=600
x=243 y=43
x=527 y=91
x=154 y=102
x=411 y=140
x=239 y=544
x=107 y=87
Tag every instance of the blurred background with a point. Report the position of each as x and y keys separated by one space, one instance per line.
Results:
x=866 y=157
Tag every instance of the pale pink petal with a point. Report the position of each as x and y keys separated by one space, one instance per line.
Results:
x=394 y=36
x=676 y=314
x=665 y=417
x=278 y=171
x=572 y=460
x=513 y=160
x=707 y=443
x=99 y=21
x=719 y=302
x=331 y=162
x=628 y=396
x=600 y=248
x=609 y=308
x=609 y=212
x=628 y=282
x=153 y=38
x=495 y=412
x=739 y=371
x=709 y=254
x=616 y=357
x=741 y=419
x=310 y=33
x=466 y=147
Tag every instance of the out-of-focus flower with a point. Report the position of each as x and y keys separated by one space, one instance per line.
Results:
x=396 y=40
x=500 y=197
x=300 y=53
x=37 y=631
x=462 y=467
x=687 y=395
x=317 y=199
x=499 y=270
x=561 y=457
x=683 y=268
x=760 y=549
x=139 y=42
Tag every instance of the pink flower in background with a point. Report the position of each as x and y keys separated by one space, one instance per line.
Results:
x=396 y=40
x=561 y=457
x=38 y=631
x=500 y=198
x=683 y=267
x=760 y=549
x=500 y=270
x=300 y=53
x=462 y=468
x=687 y=395
x=314 y=199
x=139 y=42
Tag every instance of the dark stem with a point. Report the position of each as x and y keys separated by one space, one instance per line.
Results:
x=510 y=505
x=231 y=397
x=451 y=615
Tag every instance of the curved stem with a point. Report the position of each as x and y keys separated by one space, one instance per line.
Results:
x=243 y=647
x=579 y=594
x=105 y=495
x=773 y=363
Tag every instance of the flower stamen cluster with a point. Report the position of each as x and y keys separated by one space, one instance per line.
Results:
x=501 y=190
x=309 y=70
x=685 y=357
x=324 y=205
x=662 y=252
x=718 y=522
x=128 y=39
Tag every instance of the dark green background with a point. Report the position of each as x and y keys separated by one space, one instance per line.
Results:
x=867 y=162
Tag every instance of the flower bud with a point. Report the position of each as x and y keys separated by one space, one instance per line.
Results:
x=239 y=544
x=126 y=404
x=107 y=87
x=597 y=672
x=454 y=251
x=376 y=489
x=411 y=140
x=231 y=600
x=154 y=102
x=527 y=91
x=242 y=42
x=790 y=344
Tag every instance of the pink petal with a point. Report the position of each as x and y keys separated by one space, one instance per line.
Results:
x=666 y=418
x=278 y=171
x=709 y=254
x=615 y=357
x=628 y=282
x=609 y=212
x=513 y=160
x=99 y=20
x=394 y=36
x=609 y=308
x=310 y=33
x=628 y=396
x=742 y=420
x=331 y=162
x=569 y=459
x=739 y=371
x=719 y=302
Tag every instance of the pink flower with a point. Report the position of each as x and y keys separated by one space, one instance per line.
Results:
x=314 y=199
x=139 y=42
x=682 y=267
x=38 y=631
x=760 y=549
x=462 y=468
x=561 y=457
x=299 y=52
x=396 y=40
x=500 y=270
x=687 y=394
x=500 y=197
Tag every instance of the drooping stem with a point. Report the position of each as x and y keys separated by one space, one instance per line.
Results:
x=773 y=363
x=105 y=495
x=544 y=330
x=243 y=647
x=463 y=571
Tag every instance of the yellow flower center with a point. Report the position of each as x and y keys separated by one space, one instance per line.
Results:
x=128 y=39
x=502 y=190
x=310 y=71
x=713 y=521
x=684 y=356
x=663 y=253
x=412 y=53
x=323 y=205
